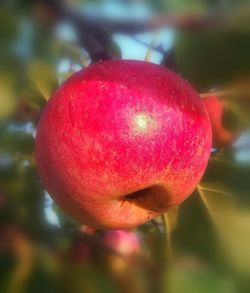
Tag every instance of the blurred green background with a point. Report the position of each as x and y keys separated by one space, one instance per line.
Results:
x=201 y=246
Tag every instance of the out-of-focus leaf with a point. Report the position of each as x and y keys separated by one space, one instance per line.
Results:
x=213 y=58
x=74 y=54
x=84 y=278
x=8 y=31
x=233 y=226
x=15 y=139
x=197 y=279
x=189 y=5
x=172 y=218
x=170 y=222
x=25 y=113
x=8 y=262
x=7 y=96
x=24 y=253
x=195 y=232
x=43 y=77
x=41 y=280
x=229 y=176
x=237 y=114
x=229 y=210
x=237 y=18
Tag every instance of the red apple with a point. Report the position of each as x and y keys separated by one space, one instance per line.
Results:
x=215 y=108
x=121 y=142
x=122 y=242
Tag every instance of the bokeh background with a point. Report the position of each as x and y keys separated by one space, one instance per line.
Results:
x=201 y=246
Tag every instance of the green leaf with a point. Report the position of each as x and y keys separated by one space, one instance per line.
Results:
x=237 y=114
x=43 y=77
x=189 y=5
x=213 y=58
x=195 y=233
x=197 y=279
x=7 y=96
x=170 y=220
x=229 y=210
x=14 y=141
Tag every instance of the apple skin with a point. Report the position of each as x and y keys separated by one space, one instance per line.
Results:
x=122 y=242
x=121 y=142
x=215 y=108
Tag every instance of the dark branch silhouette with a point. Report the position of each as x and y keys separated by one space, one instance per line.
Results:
x=95 y=35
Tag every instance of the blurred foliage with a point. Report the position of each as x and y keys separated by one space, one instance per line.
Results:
x=191 y=5
x=192 y=277
x=214 y=58
x=202 y=246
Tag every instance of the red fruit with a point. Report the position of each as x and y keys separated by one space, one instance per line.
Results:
x=122 y=242
x=215 y=108
x=121 y=142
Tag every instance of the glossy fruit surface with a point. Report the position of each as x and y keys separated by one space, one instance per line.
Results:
x=122 y=141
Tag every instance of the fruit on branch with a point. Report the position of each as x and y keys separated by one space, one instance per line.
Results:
x=122 y=242
x=215 y=108
x=121 y=142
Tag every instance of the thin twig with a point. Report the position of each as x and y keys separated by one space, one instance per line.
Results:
x=214 y=190
x=221 y=93
x=95 y=35
x=158 y=48
x=185 y=21
x=150 y=48
x=227 y=92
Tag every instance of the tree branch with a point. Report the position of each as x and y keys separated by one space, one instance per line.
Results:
x=158 y=48
x=192 y=21
x=95 y=36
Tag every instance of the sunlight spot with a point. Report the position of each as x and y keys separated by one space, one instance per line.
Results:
x=143 y=122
